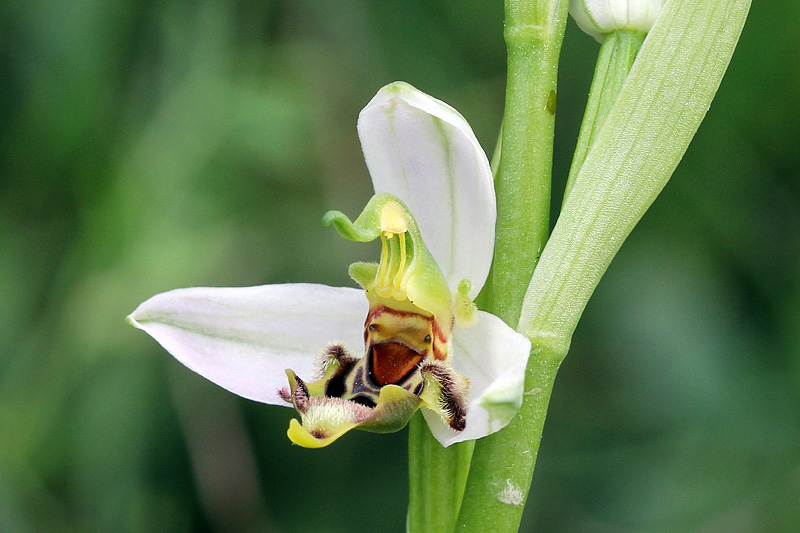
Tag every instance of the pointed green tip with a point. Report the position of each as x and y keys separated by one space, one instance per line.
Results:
x=132 y=321
x=364 y=274
x=330 y=216
x=348 y=229
x=398 y=87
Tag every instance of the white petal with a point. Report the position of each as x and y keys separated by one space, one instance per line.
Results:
x=493 y=356
x=636 y=14
x=424 y=152
x=598 y=17
x=243 y=339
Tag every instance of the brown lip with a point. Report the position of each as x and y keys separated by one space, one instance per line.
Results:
x=392 y=361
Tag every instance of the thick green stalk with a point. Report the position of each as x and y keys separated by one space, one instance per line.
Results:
x=437 y=476
x=498 y=482
x=615 y=60
x=645 y=134
x=533 y=33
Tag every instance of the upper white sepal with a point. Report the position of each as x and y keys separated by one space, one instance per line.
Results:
x=425 y=153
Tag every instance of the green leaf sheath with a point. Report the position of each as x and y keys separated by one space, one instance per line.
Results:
x=667 y=94
x=436 y=479
x=614 y=62
x=533 y=33
x=645 y=134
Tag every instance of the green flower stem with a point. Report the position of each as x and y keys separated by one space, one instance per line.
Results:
x=437 y=476
x=502 y=465
x=533 y=32
x=615 y=60
x=645 y=134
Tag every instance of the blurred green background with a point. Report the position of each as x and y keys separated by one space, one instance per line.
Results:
x=151 y=145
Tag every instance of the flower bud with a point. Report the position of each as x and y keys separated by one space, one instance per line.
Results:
x=599 y=17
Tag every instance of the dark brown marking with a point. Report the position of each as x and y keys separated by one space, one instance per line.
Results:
x=381 y=309
x=358 y=382
x=301 y=399
x=392 y=361
x=551 y=102
x=453 y=402
x=335 y=386
x=438 y=354
x=366 y=401
x=437 y=331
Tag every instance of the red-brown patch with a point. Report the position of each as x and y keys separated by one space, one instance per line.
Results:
x=440 y=335
x=441 y=341
x=392 y=361
x=381 y=309
x=437 y=353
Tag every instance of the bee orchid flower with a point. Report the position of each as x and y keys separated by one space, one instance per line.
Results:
x=423 y=344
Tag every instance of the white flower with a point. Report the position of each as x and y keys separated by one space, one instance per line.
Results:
x=599 y=17
x=423 y=152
